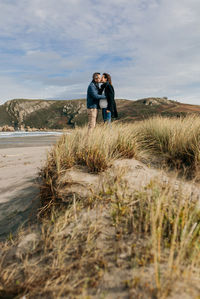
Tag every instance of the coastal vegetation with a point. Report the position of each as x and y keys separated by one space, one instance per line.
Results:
x=115 y=239
x=172 y=142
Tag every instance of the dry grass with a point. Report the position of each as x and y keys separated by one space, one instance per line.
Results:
x=162 y=227
x=177 y=141
x=151 y=236
x=96 y=151
x=146 y=241
x=64 y=262
x=174 y=142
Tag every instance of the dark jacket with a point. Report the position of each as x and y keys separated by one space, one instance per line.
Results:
x=93 y=95
x=110 y=96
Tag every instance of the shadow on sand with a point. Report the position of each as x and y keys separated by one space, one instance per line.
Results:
x=20 y=210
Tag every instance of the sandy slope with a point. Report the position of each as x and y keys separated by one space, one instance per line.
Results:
x=19 y=199
x=18 y=185
x=79 y=183
x=19 y=188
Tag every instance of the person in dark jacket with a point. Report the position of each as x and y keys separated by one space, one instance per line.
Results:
x=93 y=97
x=108 y=90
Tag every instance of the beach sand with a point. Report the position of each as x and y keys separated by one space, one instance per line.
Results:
x=35 y=141
x=20 y=161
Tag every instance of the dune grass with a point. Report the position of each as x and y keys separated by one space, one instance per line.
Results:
x=99 y=149
x=146 y=241
x=96 y=151
x=164 y=228
x=175 y=143
x=176 y=140
x=151 y=236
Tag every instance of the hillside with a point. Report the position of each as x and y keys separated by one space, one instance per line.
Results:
x=144 y=108
x=48 y=114
x=57 y=114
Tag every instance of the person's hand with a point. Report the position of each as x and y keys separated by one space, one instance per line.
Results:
x=107 y=111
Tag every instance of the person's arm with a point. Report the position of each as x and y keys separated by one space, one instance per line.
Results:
x=94 y=93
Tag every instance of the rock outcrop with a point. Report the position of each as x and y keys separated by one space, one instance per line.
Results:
x=7 y=128
x=24 y=114
x=20 y=109
x=72 y=111
x=156 y=101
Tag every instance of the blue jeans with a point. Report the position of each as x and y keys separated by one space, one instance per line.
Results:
x=106 y=115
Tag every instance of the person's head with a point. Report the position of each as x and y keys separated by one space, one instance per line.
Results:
x=106 y=78
x=96 y=77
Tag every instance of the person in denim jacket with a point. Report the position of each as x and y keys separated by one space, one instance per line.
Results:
x=93 y=98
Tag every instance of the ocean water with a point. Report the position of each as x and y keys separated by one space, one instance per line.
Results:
x=28 y=134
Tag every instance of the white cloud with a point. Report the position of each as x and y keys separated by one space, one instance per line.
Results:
x=151 y=47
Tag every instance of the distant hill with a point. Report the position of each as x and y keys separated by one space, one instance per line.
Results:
x=59 y=114
x=50 y=114
x=145 y=108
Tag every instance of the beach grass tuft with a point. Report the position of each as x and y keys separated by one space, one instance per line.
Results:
x=176 y=140
x=173 y=142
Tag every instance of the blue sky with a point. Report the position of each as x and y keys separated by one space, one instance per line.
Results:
x=50 y=48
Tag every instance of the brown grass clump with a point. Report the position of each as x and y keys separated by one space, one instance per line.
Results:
x=177 y=141
x=96 y=151
x=63 y=263
x=135 y=244
x=174 y=142
x=165 y=229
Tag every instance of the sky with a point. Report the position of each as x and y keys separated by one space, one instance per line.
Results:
x=49 y=49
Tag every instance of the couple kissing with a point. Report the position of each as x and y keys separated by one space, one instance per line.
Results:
x=101 y=97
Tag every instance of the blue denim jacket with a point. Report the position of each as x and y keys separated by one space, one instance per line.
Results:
x=93 y=96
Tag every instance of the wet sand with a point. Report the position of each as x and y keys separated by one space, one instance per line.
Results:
x=36 y=141
x=20 y=161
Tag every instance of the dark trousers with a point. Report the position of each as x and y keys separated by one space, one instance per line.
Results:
x=106 y=115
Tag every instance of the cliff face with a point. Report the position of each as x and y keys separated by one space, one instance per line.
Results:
x=42 y=113
x=19 y=110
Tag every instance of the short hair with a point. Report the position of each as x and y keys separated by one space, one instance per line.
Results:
x=95 y=75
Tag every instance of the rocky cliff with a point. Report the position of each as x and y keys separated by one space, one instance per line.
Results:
x=48 y=114
x=18 y=110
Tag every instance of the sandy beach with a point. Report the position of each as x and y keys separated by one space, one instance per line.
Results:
x=20 y=161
